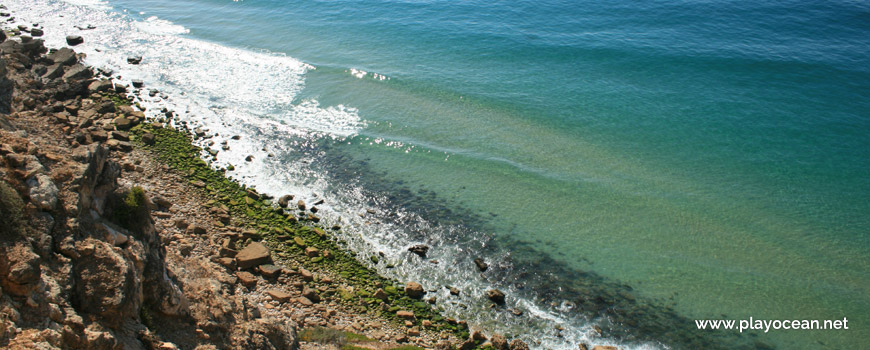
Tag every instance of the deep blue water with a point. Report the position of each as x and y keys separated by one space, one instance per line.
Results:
x=713 y=156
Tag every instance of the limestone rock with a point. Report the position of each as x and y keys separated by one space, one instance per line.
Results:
x=106 y=281
x=43 y=192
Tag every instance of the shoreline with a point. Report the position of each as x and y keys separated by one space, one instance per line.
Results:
x=243 y=216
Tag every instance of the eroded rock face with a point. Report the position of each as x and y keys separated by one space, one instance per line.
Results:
x=20 y=269
x=107 y=282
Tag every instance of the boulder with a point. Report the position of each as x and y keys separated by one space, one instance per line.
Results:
x=37 y=32
x=312 y=252
x=380 y=294
x=43 y=192
x=284 y=201
x=148 y=138
x=517 y=344
x=53 y=71
x=481 y=265
x=420 y=249
x=253 y=255
x=499 y=342
x=64 y=56
x=604 y=347
x=247 y=279
x=106 y=281
x=74 y=40
x=19 y=269
x=311 y=294
x=77 y=72
x=279 y=295
x=137 y=83
x=405 y=314
x=414 y=290
x=134 y=59
x=122 y=123
x=496 y=296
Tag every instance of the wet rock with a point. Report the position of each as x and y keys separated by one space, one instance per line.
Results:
x=284 y=201
x=414 y=290
x=37 y=32
x=405 y=314
x=254 y=254
x=582 y=346
x=137 y=83
x=499 y=342
x=134 y=59
x=420 y=250
x=481 y=265
x=601 y=347
x=300 y=204
x=64 y=56
x=518 y=344
x=496 y=296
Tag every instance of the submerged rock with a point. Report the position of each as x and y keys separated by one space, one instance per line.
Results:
x=481 y=265
x=420 y=250
x=496 y=296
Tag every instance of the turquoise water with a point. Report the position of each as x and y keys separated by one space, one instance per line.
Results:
x=707 y=156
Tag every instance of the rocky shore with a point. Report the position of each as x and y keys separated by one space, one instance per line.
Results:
x=117 y=235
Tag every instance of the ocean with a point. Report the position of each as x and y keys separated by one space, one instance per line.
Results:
x=625 y=166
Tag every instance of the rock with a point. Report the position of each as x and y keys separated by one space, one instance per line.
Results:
x=19 y=269
x=312 y=252
x=43 y=192
x=77 y=72
x=582 y=346
x=414 y=290
x=33 y=48
x=106 y=281
x=134 y=59
x=420 y=249
x=453 y=290
x=468 y=345
x=380 y=294
x=138 y=83
x=496 y=296
x=517 y=344
x=269 y=270
x=499 y=342
x=603 y=347
x=36 y=32
x=300 y=204
x=148 y=138
x=279 y=295
x=99 y=135
x=106 y=107
x=254 y=254
x=53 y=71
x=304 y=301
x=481 y=265
x=247 y=279
x=405 y=314
x=122 y=123
x=64 y=56
x=478 y=336
x=198 y=230
x=306 y=275
x=311 y=294
x=284 y=201
x=98 y=85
